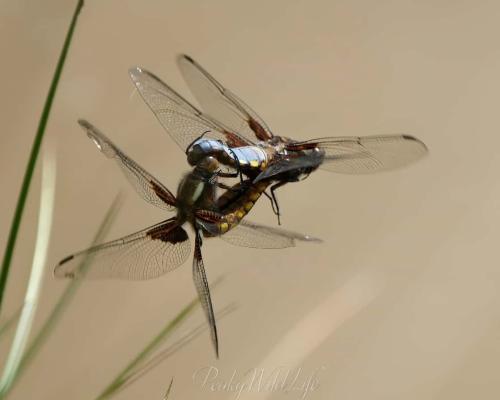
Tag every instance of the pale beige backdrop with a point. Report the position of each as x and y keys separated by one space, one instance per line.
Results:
x=402 y=299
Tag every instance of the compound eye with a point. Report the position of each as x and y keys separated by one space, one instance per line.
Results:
x=193 y=157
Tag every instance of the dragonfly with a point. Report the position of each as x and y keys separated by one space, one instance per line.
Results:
x=159 y=249
x=231 y=131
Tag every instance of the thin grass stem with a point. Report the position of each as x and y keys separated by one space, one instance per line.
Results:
x=45 y=218
x=64 y=300
x=143 y=355
x=172 y=349
x=35 y=149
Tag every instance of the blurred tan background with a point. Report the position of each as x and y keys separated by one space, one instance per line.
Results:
x=400 y=301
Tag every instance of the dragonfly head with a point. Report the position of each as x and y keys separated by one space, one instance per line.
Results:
x=201 y=149
x=195 y=155
x=208 y=165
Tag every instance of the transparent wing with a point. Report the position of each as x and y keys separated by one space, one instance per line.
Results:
x=251 y=234
x=146 y=254
x=363 y=155
x=221 y=103
x=148 y=187
x=182 y=121
x=201 y=284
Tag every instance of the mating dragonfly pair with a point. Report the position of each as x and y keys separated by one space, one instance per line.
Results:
x=226 y=139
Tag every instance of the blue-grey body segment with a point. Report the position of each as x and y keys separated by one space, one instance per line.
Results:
x=247 y=156
x=252 y=156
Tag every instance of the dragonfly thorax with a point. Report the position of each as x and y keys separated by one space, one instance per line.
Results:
x=196 y=189
x=254 y=157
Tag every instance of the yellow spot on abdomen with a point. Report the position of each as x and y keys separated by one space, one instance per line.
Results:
x=240 y=214
x=223 y=226
x=254 y=196
x=248 y=206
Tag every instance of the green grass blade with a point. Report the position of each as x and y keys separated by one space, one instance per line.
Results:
x=142 y=356
x=64 y=300
x=172 y=349
x=150 y=347
x=36 y=276
x=35 y=149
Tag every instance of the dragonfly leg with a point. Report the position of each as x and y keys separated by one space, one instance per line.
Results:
x=272 y=202
x=273 y=188
x=228 y=174
x=231 y=188
x=238 y=165
x=212 y=179
x=237 y=189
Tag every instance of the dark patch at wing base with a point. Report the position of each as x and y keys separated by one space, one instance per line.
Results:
x=146 y=254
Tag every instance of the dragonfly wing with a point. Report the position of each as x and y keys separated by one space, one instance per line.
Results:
x=368 y=154
x=182 y=121
x=146 y=254
x=221 y=103
x=145 y=184
x=201 y=284
x=251 y=234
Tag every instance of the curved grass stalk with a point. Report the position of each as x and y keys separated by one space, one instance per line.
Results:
x=172 y=349
x=39 y=261
x=35 y=149
x=115 y=385
x=63 y=302
x=141 y=358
